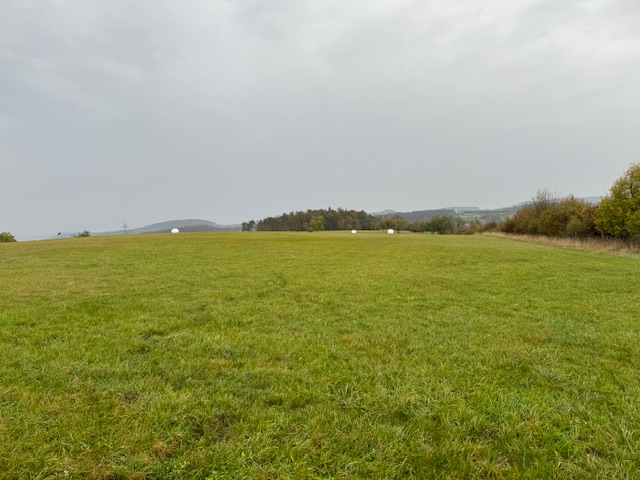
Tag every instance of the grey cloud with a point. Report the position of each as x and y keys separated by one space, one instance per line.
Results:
x=620 y=7
x=268 y=19
x=542 y=18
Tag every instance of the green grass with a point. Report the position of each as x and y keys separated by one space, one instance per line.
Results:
x=324 y=355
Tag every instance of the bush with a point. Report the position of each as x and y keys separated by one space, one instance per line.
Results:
x=570 y=217
x=490 y=226
x=618 y=214
x=548 y=215
x=525 y=221
x=443 y=225
x=6 y=237
x=475 y=226
x=84 y=233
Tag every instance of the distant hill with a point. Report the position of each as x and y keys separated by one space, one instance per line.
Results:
x=461 y=209
x=184 y=225
x=200 y=228
x=162 y=226
x=383 y=213
x=469 y=213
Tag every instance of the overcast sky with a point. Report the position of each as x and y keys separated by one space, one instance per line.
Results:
x=150 y=110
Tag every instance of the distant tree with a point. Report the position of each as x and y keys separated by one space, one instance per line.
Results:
x=366 y=221
x=84 y=233
x=249 y=226
x=6 y=237
x=387 y=223
x=415 y=227
x=443 y=224
x=401 y=224
x=459 y=225
x=618 y=214
x=349 y=221
x=331 y=219
x=543 y=200
x=317 y=223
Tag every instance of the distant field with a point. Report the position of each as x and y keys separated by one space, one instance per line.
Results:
x=324 y=355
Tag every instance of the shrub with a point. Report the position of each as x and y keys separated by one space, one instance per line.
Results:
x=570 y=217
x=6 y=237
x=475 y=226
x=525 y=221
x=443 y=225
x=618 y=214
x=84 y=233
x=548 y=215
x=490 y=226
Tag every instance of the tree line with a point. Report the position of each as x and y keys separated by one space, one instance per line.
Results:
x=340 y=219
x=314 y=220
x=616 y=216
x=442 y=224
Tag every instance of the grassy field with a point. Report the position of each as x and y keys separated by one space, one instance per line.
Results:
x=324 y=355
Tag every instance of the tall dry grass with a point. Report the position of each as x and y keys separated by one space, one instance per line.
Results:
x=591 y=244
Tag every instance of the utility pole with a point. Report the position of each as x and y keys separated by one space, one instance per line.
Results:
x=125 y=228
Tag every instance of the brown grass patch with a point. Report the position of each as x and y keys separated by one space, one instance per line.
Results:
x=590 y=244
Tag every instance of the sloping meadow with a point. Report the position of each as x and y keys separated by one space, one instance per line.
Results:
x=322 y=355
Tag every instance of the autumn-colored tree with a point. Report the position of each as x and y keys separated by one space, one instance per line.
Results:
x=569 y=217
x=527 y=219
x=619 y=213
